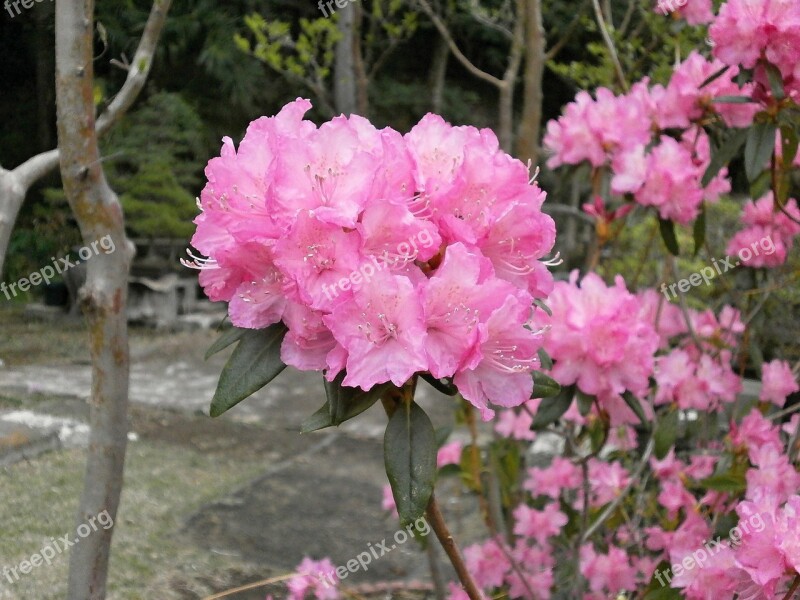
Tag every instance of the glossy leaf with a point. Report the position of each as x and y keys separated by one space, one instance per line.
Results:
x=759 y=147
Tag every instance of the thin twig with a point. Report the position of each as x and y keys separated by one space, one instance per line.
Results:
x=793 y=589
x=616 y=502
x=436 y=520
x=251 y=586
x=601 y=23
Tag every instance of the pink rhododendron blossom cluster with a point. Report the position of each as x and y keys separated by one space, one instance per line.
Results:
x=384 y=255
x=777 y=382
x=627 y=134
x=748 y=30
x=599 y=341
x=694 y=12
x=766 y=224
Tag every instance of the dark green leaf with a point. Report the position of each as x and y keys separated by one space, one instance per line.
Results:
x=760 y=146
x=733 y=100
x=544 y=386
x=732 y=481
x=724 y=154
x=231 y=336
x=254 y=363
x=775 y=81
x=699 y=231
x=342 y=404
x=761 y=185
x=636 y=406
x=445 y=386
x=545 y=360
x=319 y=420
x=551 y=409
x=410 y=457
x=714 y=76
x=668 y=235
x=789 y=143
x=666 y=433
x=585 y=402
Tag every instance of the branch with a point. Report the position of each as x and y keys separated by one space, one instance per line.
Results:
x=570 y=29
x=598 y=13
x=139 y=68
x=618 y=500
x=445 y=33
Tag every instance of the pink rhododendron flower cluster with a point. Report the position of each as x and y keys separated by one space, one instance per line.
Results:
x=627 y=134
x=747 y=30
x=384 y=255
x=599 y=341
x=767 y=229
x=694 y=12
x=777 y=382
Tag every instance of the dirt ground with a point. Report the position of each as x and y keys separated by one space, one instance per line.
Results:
x=209 y=504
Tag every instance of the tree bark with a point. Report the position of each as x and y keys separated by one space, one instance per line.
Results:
x=15 y=183
x=505 y=133
x=104 y=297
x=530 y=127
x=438 y=73
x=359 y=68
x=344 y=91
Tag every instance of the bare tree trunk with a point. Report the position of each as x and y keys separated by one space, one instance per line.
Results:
x=438 y=73
x=104 y=297
x=14 y=184
x=506 y=109
x=529 y=129
x=344 y=91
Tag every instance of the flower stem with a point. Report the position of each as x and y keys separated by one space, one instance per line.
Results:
x=436 y=521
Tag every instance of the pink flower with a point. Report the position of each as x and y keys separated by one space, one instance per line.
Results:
x=607 y=480
x=515 y=425
x=487 y=563
x=388 y=503
x=607 y=573
x=598 y=340
x=777 y=382
x=499 y=370
x=449 y=454
x=768 y=234
x=383 y=331
x=551 y=481
x=745 y=30
x=538 y=524
x=314 y=577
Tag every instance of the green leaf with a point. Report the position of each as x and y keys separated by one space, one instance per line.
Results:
x=342 y=404
x=545 y=360
x=636 y=406
x=699 y=231
x=759 y=147
x=319 y=420
x=666 y=433
x=733 y=100
x=345 y=402
x=724 y=154
x=732 y=481
x=714 y=76
x=254 y=363
x=445 y=386
x=231 y=336
x=544 y=386
x=409 y=449
x=775 y=81
x=585 y=402
x=761 y=185
x=668 y=235
x=551 y=409
x=789 y=143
